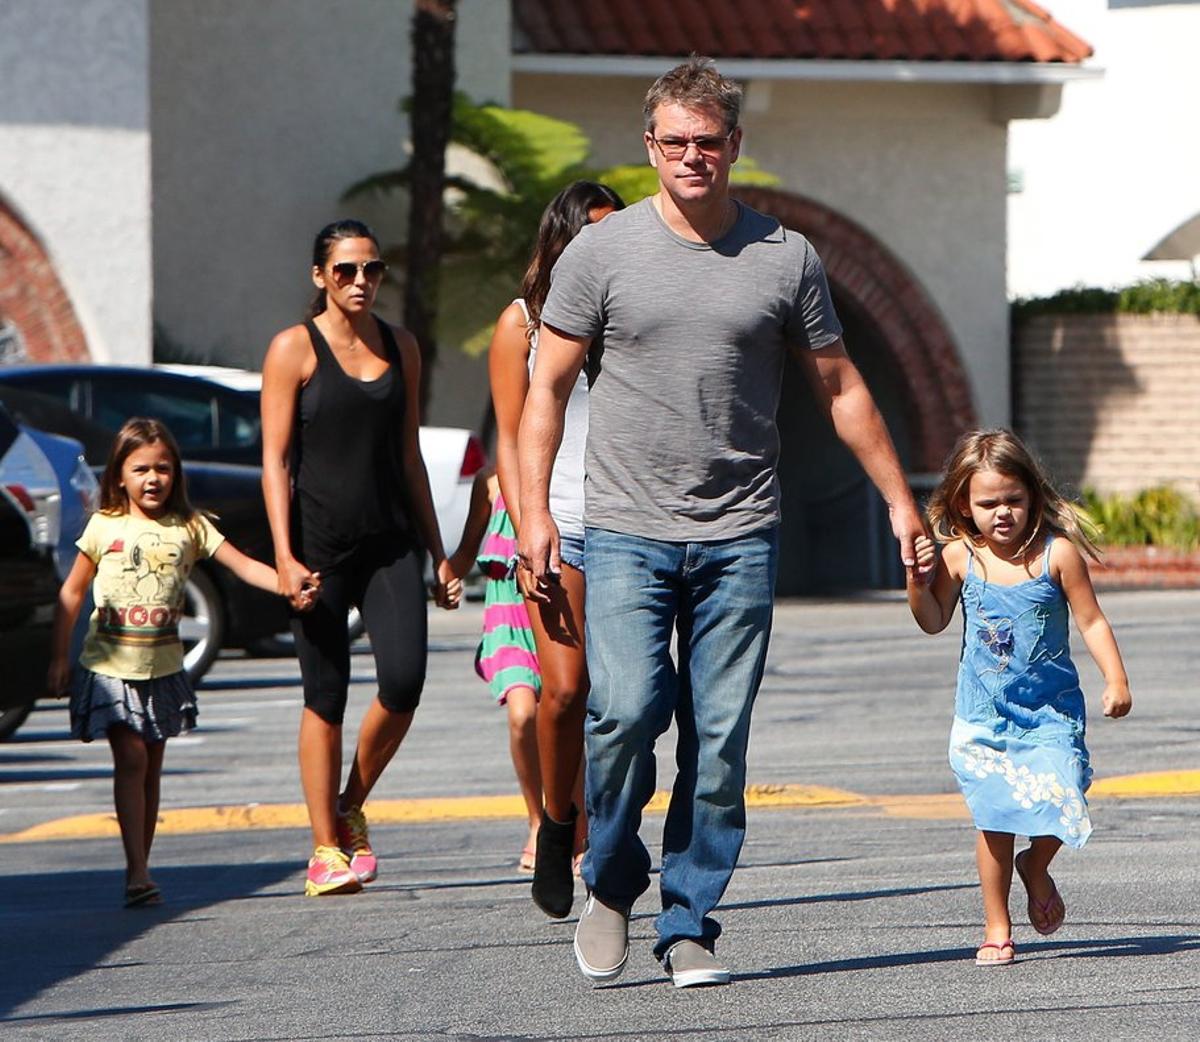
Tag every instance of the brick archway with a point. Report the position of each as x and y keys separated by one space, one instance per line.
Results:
x=33 y=299
x=913 y=332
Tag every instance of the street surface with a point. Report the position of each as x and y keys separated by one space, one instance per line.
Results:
x=854 y=914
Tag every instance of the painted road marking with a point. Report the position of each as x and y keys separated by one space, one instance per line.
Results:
x=233 y=818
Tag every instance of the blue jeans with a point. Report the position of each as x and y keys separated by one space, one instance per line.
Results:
x=718 y=597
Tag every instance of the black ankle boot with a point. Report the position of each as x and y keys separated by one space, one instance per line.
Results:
x=553 y=884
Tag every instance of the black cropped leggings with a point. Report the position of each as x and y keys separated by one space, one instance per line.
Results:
x=389 y=589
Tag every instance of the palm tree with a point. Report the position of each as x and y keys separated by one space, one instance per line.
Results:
x=433 y=92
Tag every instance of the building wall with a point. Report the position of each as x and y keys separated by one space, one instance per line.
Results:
x=1115 y=171
x=920 y=167
x=75 y=156
x=1110 y=401
x=263 y=114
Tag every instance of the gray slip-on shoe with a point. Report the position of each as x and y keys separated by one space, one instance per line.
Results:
x=602 y=940
x=689 y=963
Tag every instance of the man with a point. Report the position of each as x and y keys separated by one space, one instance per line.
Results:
x=687 y=302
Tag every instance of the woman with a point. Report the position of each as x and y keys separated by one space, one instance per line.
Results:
x=345 y=485
x=556 y=611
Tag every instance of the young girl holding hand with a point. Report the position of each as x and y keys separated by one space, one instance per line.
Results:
x=1013 y=554
x=137 y=552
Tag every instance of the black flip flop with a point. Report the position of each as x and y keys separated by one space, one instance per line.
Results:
x=139 y=896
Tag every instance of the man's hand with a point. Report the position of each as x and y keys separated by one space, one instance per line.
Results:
x=907 y=527
x=537 y=553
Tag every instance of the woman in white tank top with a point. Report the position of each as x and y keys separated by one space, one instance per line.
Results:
x=557 y=612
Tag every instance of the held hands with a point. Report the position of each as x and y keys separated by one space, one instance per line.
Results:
x=298 y=584
x=538 y=563
x=925 y=568
x=1116 y=700
x=908 y=527
x=446 y=586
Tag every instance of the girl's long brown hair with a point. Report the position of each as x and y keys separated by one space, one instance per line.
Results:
x=133 y=435
x=562 y=220
x=1002 y=451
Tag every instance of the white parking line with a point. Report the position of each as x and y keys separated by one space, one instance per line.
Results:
x=62 y=786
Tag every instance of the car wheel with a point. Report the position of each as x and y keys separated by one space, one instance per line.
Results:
x=11 y=719
x=202 y=627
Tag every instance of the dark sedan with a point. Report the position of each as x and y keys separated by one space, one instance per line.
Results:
x=30 y=513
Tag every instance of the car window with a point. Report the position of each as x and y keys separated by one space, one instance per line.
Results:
x=68 y=389
x=238 y=420
x=188 y=412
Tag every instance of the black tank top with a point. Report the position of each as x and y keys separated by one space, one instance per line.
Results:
x=349 y=441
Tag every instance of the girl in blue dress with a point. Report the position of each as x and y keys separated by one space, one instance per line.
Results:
x=1013 y=554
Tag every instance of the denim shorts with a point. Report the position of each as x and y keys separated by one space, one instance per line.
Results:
x=570 y=549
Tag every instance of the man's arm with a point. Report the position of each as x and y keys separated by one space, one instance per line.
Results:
x=845 y=399
x=559 y=358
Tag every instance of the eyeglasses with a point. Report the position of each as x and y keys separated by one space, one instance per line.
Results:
x=346 y=272
x=676 y=147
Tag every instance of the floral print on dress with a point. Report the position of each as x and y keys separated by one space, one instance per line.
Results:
x=1028 y=788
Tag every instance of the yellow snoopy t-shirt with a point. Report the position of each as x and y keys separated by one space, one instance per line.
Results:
x=141 y=568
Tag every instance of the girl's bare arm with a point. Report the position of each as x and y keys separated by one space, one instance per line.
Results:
x=933 y=603
x=1068 y=567
x=70 y=597
x=478 y=512
x=251 y=571
x=447 y=588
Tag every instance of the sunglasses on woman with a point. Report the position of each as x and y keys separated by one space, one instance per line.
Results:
x=346 y=272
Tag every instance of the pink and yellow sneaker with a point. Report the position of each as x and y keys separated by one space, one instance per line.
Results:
x=355 y=842
x=329 y=872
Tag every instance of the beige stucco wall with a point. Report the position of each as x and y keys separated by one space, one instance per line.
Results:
x=75 y=156
x=921 y=167
x=262 y=114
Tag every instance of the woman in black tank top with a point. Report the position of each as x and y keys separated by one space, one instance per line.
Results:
x=348 y=502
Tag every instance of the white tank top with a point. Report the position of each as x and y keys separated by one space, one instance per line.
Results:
x=566 y=479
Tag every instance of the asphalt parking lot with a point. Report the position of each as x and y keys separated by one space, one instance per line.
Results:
x=854 y=913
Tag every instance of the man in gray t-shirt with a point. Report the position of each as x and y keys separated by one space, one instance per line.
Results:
x=682 y=306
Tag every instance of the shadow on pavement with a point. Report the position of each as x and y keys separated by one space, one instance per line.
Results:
x=857 y=895
x=1155 y=944
x=60 y=925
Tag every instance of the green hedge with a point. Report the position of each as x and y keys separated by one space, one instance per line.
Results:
x=1160 y=516
x=1142 y=298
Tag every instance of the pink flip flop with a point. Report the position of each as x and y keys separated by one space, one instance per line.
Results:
x=1043 y=909
x=1003 y=960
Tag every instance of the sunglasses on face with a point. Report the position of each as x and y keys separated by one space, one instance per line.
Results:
x=345 y=272
x=676 y=147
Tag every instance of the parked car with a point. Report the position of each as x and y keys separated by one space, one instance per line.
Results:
x=31 y=510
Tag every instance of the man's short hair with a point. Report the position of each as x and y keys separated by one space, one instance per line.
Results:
x=695 y=84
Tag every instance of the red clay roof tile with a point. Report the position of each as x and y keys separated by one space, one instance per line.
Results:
x=853 y=30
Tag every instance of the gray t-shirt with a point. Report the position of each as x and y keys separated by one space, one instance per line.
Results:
x=688 y=343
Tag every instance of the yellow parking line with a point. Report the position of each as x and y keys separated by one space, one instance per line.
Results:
x=236 y=818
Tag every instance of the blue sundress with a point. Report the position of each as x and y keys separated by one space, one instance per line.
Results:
x=1017 y=744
